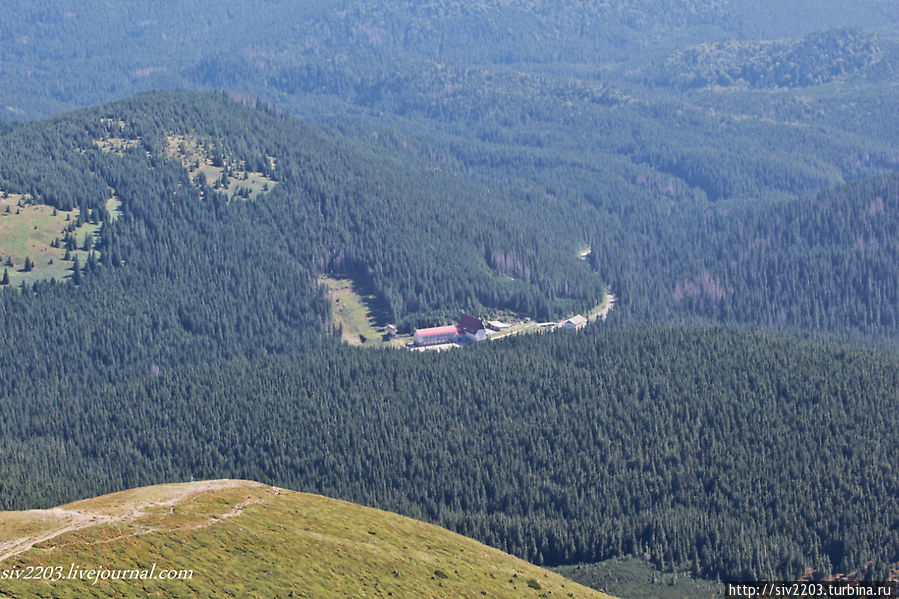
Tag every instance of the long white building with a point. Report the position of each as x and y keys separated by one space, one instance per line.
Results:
x=436 y=335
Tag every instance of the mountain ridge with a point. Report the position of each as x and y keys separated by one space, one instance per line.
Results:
x=236 y=536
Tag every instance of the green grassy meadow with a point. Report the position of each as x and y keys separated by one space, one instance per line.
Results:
x=244 y=539
x=197 y=159
x=352 y=312
x=27 y=231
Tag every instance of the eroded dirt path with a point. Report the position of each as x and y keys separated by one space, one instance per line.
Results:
x=70 y=520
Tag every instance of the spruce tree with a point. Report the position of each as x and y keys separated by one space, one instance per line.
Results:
x=76 y=272
x=5 y=280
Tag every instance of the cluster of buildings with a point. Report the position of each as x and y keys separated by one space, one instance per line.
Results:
x=468 y=329
x=471 y=329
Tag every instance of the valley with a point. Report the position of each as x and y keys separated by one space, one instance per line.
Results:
x=210 y=214
x=354 y=317
x=545 y=405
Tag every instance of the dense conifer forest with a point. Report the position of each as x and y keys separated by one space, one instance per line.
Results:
x=709 y=450
x=727 y=167
x=823 y=262
x=195 y=344
x=227 y=277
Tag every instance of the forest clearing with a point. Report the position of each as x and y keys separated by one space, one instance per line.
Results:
x=35 y=239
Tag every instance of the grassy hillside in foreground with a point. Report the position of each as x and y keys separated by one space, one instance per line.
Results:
x=241 y=538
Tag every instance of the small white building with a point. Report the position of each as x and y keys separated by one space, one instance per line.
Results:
x=575 y=323
x=472 y=328
x=496 y=325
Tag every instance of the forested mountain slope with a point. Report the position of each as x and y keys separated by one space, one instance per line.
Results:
x=193 y=270
x=724 y=160
x=615 y=120
x=227 y=538
x=712 y=450
x=448 y=70
x=208 y=272
x=825 y=262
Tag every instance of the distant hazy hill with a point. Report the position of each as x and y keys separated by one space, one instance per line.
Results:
x=245 y=539
x=536 y=95
x=813 y=60
x=60 y=55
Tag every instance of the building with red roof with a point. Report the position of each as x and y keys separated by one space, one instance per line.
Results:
x=469 y=329
x=472 y=328
x=436 y=335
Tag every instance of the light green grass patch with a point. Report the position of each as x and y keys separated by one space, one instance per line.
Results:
x=602 y=309
x=197 y=160
x=22 y=525
x=29 y=234
x=114 y=208
x=27 y=230
x=352 y=312
x=116 y=145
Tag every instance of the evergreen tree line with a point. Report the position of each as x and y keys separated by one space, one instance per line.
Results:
x=824 y=262
x=712 y=450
